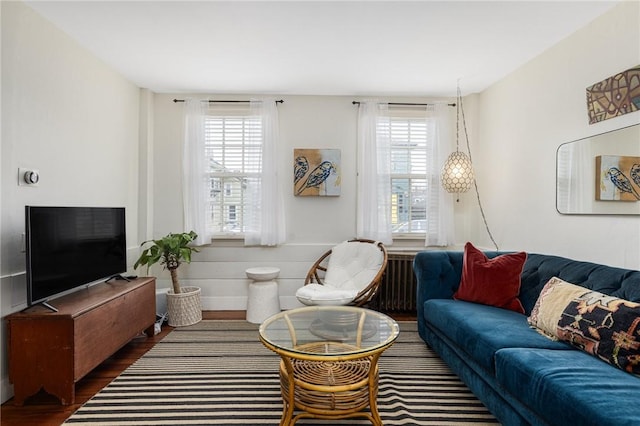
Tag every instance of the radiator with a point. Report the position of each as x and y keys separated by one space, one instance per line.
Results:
x=397 y=294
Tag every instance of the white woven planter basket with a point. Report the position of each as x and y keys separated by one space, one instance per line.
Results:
x=184 y=308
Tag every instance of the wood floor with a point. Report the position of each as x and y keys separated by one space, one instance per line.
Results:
x=43 y=409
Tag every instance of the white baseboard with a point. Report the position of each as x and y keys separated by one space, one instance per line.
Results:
x=239 y=303
x=228 y=303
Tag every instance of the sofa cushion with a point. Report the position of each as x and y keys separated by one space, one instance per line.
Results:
x=494 y=282
x=540 y=268
x=480 y=330
x=601 y=325
x=569 y=387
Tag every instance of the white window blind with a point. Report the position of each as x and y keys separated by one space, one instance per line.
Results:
x=409 y=142
x=233 y=151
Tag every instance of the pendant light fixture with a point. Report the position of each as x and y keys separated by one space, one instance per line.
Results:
x=457 y=172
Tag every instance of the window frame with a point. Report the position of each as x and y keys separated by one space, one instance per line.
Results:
x=225 y=178
x=416 y=116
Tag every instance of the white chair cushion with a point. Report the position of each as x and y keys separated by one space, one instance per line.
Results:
x=351 y=268
x=317 y=294
x=353 y=265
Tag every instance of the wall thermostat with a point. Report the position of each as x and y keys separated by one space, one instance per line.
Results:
x=31 y=177
x=28 y=177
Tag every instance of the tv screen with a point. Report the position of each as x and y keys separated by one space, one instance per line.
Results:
x=68 y=247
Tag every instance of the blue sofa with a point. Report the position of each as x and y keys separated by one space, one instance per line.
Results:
x=521 y=376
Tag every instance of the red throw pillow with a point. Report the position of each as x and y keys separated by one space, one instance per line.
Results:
x=494 y=282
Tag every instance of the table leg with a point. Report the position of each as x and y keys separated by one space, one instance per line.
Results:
x=288 y=391
x=373 y=390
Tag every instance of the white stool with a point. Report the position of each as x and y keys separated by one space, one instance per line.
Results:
x=263 y=300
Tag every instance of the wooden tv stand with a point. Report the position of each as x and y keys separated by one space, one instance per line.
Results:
x=53 y=350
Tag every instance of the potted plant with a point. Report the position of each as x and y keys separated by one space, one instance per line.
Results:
x=183 y=303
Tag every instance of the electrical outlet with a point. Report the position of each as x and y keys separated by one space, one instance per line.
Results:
x=28 y=177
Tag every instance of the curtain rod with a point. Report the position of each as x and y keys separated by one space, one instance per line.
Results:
x=279 y=101
x=404 y=104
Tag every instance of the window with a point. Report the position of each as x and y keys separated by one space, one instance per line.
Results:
x=400 y=154
x=409 y=133
x=233 y=151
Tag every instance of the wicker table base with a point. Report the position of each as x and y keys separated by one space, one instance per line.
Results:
x=329 y=389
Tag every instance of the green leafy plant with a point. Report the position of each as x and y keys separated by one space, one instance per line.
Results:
x=169 y=251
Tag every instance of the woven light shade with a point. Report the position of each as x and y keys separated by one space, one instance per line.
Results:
x=457 y=173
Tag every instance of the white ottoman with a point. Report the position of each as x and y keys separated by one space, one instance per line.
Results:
x=263 y=300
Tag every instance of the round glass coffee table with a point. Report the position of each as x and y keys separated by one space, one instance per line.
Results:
x=329 y=366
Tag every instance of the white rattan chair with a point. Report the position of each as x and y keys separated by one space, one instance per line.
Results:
x=348 y=274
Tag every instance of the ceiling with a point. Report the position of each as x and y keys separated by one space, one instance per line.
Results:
x=361 y=48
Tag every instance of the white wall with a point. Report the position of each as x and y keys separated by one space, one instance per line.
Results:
x=522 y=119
x=72 y=118
x=314 y=224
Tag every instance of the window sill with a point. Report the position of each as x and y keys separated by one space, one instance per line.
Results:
x=414 y=237
x=407 y=243
x=227 y=237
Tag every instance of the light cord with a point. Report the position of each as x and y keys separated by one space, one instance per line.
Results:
x=475 y=182
x=458 y=122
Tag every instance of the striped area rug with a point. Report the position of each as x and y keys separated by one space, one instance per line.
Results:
x=218 y=373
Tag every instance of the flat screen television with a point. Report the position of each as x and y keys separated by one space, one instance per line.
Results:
x=69 y=247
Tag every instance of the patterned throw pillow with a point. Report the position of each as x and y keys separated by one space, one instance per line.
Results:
x=547 y=311
x=601 y=325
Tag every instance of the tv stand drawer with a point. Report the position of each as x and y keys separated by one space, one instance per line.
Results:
x=53 y=350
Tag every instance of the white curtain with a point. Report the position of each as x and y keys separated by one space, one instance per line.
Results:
x=264 y=203
x=440 y=224
x=195 y=179
x=374 y=174
x=373 y=215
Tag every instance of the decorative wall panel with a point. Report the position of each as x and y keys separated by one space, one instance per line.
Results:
x=614 y=96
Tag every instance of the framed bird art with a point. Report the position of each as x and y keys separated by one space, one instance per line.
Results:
x=617 y=178
x=316 y=172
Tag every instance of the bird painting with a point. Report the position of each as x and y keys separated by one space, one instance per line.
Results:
x=635 y=174
x=621 y=181
x=317 y=176
x=300 y=168
x=316 y=172
x=617 y=178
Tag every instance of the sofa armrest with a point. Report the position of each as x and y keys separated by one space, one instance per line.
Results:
x=437 y=275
